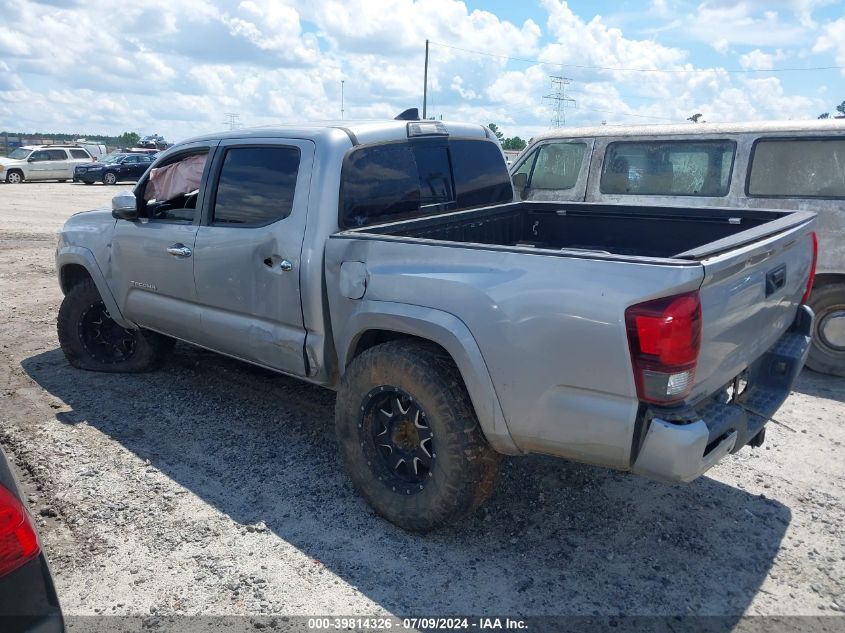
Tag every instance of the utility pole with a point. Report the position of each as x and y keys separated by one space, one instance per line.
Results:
x=342 y=81
x=558 y=99
x=232 y=120
x=425 y=82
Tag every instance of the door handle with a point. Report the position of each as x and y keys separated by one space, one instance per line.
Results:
x=179 y=250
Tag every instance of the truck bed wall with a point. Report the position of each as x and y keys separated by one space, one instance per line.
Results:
x=619 y=230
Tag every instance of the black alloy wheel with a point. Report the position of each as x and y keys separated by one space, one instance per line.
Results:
x=399 y=442
x=105 y=340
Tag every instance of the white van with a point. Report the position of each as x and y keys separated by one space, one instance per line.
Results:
x=772 y=165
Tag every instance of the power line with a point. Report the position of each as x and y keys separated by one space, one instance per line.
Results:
x=640 y=70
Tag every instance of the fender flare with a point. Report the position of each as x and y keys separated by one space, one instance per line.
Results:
x=451 y=334
x=85 y=258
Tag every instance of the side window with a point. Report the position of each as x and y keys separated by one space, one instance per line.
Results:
x=800 y=168
x=256 y=185
x=558 y=165
x=668 y=168
x=170 y=192
x=39 y=156
x=130 y=160
x=80 y=153
x=57 y=154
x=525 y=169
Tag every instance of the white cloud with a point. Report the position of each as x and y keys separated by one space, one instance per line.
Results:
x=832 y=40
x=176 y=67
x=758 y=60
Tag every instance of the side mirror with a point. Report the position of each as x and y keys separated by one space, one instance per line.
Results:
x=124 y=206
x=30 y=160
x=519 y=183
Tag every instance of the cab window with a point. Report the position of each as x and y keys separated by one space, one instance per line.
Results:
x=668 y=168
x=37 y=157
x=557 y=166
x=256 y=186
x=171 y=190
x=799 y=168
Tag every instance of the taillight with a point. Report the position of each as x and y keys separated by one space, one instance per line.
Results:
x=18 y=541
x=664 y=336
x=812 y=276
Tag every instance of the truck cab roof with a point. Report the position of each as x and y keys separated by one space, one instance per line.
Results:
x=359 y=132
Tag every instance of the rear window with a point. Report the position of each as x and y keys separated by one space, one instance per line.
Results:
x=79 y=153
x=397 y=181
x=798 y=168
x=668 y=168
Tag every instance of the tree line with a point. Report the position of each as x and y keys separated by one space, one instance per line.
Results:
x=514 y=142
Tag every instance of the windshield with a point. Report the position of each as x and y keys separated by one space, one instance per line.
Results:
x=20 y=153
x=111 y=158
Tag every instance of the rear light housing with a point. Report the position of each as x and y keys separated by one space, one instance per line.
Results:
x=18 y=540
x=812 y=276
x=664 y=336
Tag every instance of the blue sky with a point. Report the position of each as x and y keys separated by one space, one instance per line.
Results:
x=177 y=67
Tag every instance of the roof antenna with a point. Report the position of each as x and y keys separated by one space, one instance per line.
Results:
x=411 y=114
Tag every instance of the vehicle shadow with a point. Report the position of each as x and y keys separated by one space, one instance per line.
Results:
x=556 y=538
x=812 y=383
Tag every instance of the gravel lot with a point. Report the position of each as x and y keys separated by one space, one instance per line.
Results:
x=212 y=487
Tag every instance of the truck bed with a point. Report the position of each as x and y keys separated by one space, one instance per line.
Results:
x=655 y=232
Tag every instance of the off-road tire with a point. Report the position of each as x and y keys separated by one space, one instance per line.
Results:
x=149 y=348
x=465 y=468
x=825 y=358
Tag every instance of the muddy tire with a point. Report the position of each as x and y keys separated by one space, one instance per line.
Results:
x=91 y=340
x=409 y=437
x=827 y=353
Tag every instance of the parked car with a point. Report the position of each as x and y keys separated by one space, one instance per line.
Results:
x=28 y=601
x=388 y=261
x=43 y=162
x=113 y=169
x=773 y=165
x=153 y=141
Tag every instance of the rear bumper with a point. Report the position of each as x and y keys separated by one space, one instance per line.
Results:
x=28 y=601
x=681 y=444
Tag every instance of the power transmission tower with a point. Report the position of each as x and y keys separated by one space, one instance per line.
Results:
x=558 y=100
x=232 y=119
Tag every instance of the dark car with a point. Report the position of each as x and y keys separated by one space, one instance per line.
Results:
x=113 y=169
x=28 y=600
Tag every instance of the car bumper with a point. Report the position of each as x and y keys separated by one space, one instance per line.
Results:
x=87 y=177
x=681 y=444
x=28 y=601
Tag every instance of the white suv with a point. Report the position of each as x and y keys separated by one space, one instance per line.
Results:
x=42 y=162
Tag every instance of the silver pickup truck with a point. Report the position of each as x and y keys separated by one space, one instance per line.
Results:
x=388 y=261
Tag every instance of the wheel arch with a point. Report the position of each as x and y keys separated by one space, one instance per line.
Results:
x=74 y=265
x=379 y=322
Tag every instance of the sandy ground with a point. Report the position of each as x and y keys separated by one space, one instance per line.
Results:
x=211 y=487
